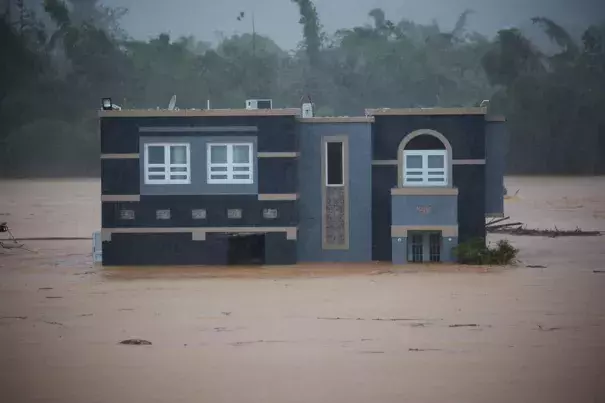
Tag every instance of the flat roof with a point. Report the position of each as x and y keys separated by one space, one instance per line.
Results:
x=337 y=119
x=198 y=112
x=425 y=111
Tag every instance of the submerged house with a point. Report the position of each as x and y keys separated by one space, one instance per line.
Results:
x=267 y=186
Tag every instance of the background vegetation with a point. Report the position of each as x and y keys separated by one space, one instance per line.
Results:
x=60 y=59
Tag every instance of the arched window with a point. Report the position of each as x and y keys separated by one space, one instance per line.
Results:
x=425 y=159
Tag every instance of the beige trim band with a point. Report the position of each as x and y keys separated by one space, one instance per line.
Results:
x=337 y=119
x=494 y=215
x=402 y=230
x=454 y=162
x=384 y=162
x=495 y=118
x=345 y=177
x=277 y=197
x=198 y=129
x=131 y=156
x=425 y=111
x=199 y=233
x=130 y=113
x=284 y=154
x=120 y=198
x=468 y=162
x=424 y=191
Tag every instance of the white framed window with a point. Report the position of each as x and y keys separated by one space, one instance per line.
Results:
x=230 y=163
x=425 y=168
x=167 y=163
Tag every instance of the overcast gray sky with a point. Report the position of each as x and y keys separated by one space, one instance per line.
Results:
x=278 y=19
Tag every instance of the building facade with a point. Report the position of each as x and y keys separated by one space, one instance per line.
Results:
x=265 y=186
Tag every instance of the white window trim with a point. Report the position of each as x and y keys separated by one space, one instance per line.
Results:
x=342 y=149
x=167 y=165
x=230 y=165
x=425 y=170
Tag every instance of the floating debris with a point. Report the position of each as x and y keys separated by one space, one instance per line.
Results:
x=136 y=342
x=499 y=226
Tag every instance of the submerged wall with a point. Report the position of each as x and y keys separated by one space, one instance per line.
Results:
x=342 y=214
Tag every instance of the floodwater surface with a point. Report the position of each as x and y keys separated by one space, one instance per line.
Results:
x=311 y=333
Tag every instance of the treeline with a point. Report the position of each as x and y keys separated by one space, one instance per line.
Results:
x=60 y=58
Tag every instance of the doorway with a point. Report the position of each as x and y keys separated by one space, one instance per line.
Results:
x=246 y=249
x=424 y=247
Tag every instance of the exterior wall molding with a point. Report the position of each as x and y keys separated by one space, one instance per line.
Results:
x=401 y=231
x=337 y=119
x=409 y=137
x=469 y=162
x=324 y=191
x=454 y=162
x=277 y=197
x=197 y=129
x=285 y=154
x=199 y=233
x=424 y=191
x=120 y=198
x=198 y=112
x=425 y=111
x=132 y=156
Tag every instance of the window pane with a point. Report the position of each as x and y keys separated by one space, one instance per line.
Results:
x=270 y=213
x=241 y=176
x=218 y=154
x=178 y=154
x=436 y=179
x=155 y=154
x=213 y=176
x=162 y=214
x=436 y=161
x=334 y=164
x=156 y=169
x=241 y=154
x=412 y=173
x=218 y=169
x=127 y=214
x=198 y=214
x=241 y=169
x=157 y=177
x=413 y=179
x=178 y=169
x=178 y=177
x=413 y=161
x=234 y=213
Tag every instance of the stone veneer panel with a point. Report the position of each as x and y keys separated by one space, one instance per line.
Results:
x=335 y=233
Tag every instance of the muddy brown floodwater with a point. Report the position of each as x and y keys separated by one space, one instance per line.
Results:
x=330 y=333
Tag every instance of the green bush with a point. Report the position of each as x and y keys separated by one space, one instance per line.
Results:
x=476 y=252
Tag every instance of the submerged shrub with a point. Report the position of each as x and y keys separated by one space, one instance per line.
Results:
x=476 y=252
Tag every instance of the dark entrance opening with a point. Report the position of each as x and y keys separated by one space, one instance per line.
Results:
x=246 y=249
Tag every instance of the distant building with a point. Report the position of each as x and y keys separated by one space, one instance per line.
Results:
x=267 y=186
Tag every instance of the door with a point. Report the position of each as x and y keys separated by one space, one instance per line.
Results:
x=424 y=246
x=415 y=247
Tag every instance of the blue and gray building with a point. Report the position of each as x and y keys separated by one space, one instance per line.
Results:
x=268 y=186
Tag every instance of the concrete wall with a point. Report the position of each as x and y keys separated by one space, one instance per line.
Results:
x=442 y=210
x=496 y=149
x=198 y=185
x=359 y=187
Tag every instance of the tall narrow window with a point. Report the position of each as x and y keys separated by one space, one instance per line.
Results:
x=230 y=163
x=334 y=164
x=167 y=163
